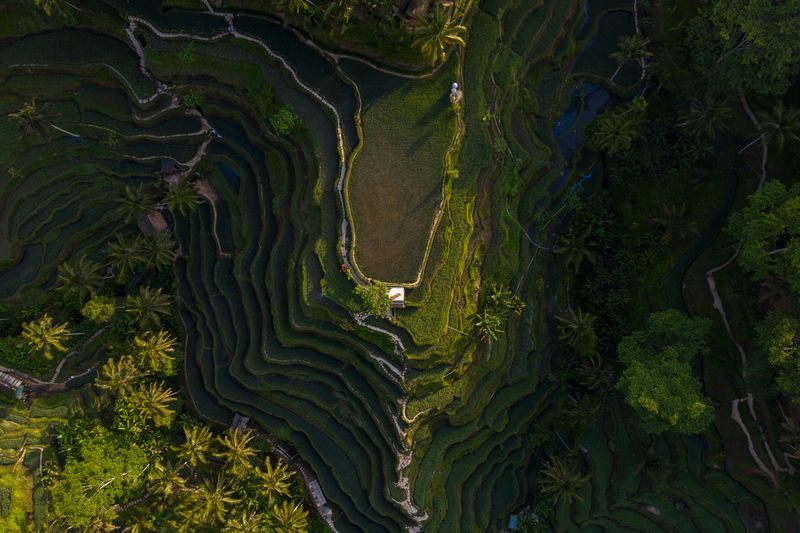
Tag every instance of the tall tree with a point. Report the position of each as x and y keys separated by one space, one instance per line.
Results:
x=183 y=196
x=159 y=250
x=196 y=447
x=488 y=324
x=673 y=222
x=780 y=124
x=237 y=450
x=561 y=481
x=80 y=277
x=576 y=329
x=630 y=48
x=577 y=247
x=289 y=517
x=118 y=376
x=274 y=479
x=778 y=338
x=155 y=350
x=148 y=306
x=125 y=254
x=165 y=479
x=657 y=380
x=43 y=336
x=210 y=503
x=438 y=31
x=705 y=116
x=31 y=118
x=153 y=402
x=136 y=201
x=768 y=230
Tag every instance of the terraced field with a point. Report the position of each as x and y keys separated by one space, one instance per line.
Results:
x=410 y=424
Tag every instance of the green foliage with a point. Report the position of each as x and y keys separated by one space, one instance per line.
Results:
x=768 y=230
x=615 y=131
x=284 y=120
x=188 y=55
x=192 y=99
x=750 y=44
x=99 y=309
x=436 y=32
x=374 y=298
x=99 y=472
x=43 y=336
x=5 y=502
x=778 y=338
x=657 y=379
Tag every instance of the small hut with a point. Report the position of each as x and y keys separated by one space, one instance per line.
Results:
x=152 y=223
x=397 y=297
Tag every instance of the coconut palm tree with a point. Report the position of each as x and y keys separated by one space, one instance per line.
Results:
x=125 y=254
x=780 y=125
x=337 y=13
x=196 y=446
x=159 y=250
x=153 y=402
x=289 y=517
x=246 y=522
x=148 y=306
x=183 y=196
x=576 y=329
x=614 y=132
x=488 y=324
x=31 y=118
x=595 y=373
x=119 y=375
x=236 y=450
x=629 y=48
x=43 y=336
x=51 y=7
x=705 y=116
x=673 y=222
x=436 y=32
x=80 y=277
x=577 y=248
x=165 y=479
x=296 y=6
x=275 y=479
x=209 y=503
x=155 y=350
x=559 y=480
x=135 y=202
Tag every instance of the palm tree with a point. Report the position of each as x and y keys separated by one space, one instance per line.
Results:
x=209 y=503
x=237 y=450
x=673 y=222
x=577 y=248
x=503 y=300
x=705 y=117
x=137 y=201
x=31 y=118
x=289 y=517
x=165 y=480
x=183 y=196
x=148 y=306
x=614 y=132
x=160 y=250
x=338 y=13
x=152 y=402
x=780 y=125
x=80 y=277
x=436 y=32
x=51 y=7
x=297 y=6
x=119 y=375
x=595 y=373
x=576 y=329
x=275 y=478
x=630 y=48
x=155 y=349
x=245 y=522
x=125 y=255
x=196 y=444
x=44 y=337
x=488 y=324
x=560 y=481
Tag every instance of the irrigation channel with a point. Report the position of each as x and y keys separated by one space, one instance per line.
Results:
x=408 y=425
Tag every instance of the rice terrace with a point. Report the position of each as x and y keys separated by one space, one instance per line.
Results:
x=399 y=265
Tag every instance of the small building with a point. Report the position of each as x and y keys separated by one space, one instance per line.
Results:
x=316 y=494
x=152 y=223
x=397 y=297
